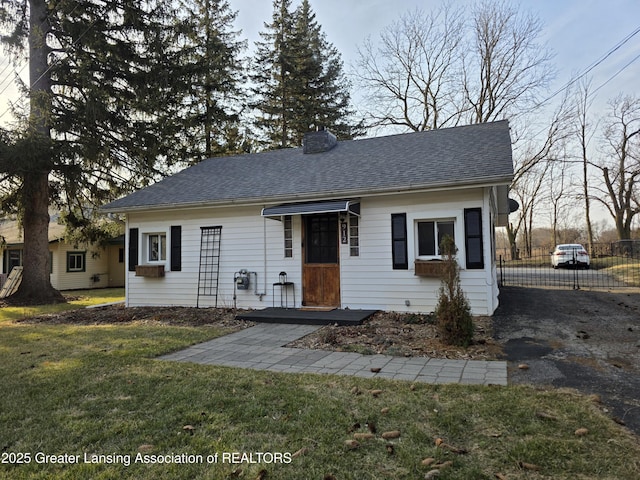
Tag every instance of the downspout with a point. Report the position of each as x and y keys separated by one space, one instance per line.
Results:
x=264 y=255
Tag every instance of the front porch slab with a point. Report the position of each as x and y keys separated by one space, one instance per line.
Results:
x=307 y=317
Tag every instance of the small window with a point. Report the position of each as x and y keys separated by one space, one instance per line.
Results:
x=430 y=235
x=354 y=236
x=12 y=258
x=156 y=247
x=76 y=261
x=288 y=236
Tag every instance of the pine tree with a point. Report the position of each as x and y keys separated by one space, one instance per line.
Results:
x=323 y=90
x=273 y=76
x=300 y=84
x=104 y=114
x=212 y=78
x=453 y=312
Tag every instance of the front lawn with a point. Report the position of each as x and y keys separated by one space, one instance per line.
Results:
x=628 y=273
x=90 y=401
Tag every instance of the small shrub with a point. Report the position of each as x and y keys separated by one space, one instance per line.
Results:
x=329 y=336
x=453 y=312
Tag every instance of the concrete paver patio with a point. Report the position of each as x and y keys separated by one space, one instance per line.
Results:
x=261 y=348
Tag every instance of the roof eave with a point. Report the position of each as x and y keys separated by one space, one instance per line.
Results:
x=298 y=197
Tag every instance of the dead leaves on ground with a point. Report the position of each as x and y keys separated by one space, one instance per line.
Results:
x=359 y=437
x=440 y=443
x=391 y=438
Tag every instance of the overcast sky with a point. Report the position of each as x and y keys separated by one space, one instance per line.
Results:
x=579 y=32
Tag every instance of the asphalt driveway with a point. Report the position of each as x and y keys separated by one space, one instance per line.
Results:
x=587 y=340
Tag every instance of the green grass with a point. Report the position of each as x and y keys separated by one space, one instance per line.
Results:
x=629 y=273
x=77 y=299
x=79 y=390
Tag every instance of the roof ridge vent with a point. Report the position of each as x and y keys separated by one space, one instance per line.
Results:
x=318 y=142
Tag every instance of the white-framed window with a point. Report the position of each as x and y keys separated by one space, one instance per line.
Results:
x=156 y=247
x=429 y=235
x=287 y=224
x=354 y=235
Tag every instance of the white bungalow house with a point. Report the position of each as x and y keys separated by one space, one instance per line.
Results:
x=353 y=224
x=72 y=266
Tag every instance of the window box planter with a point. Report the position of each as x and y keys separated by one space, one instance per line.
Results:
x=151 y=271
x=430 y=268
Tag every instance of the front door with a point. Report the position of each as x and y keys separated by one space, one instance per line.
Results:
x=320 y=269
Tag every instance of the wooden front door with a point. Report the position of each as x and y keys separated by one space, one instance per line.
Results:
x=320 y=269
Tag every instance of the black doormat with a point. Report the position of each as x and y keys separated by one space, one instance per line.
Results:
x=307 y=317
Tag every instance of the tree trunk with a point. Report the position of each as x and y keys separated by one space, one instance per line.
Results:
x=587 y=204
x=512 y=236
x=35 y=287
x=36 y=284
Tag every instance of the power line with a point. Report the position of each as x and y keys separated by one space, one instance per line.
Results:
x=595 y=64
x=9 y=77
x=14 y=73
x=58 y=60
x=4 y=70
x=616 y=74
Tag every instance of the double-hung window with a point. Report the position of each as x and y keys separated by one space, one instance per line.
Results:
x=156 y=247
x=430 y=234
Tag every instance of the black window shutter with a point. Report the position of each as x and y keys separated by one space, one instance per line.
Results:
x=133 y=249
x=399 y=241
x=473 y=238
x=176 y=248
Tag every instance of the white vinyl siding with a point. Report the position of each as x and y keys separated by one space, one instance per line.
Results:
x=253 y=243
x=369 y=281
x=245 y=238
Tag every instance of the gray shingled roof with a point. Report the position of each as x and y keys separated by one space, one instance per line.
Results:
x=468 y=155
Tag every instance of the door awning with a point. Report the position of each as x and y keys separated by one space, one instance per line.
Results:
x=308 y=208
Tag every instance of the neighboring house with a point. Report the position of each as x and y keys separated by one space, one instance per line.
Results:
x=72 y=266
x=354 y=224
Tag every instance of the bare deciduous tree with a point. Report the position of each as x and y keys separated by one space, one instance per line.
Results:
x=533 y=158
x=584 y=133
x=505 y=68
x=431 y=70
x=559 y=191
x=413 y=73
x=620 y=165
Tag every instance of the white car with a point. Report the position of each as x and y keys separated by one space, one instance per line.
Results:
x=570 y=254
